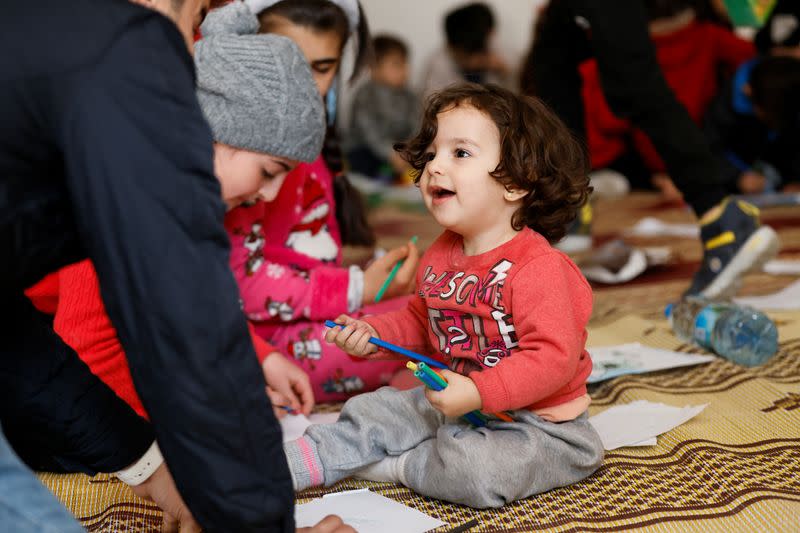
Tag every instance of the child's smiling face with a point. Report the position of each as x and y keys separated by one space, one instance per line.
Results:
x=456 y=183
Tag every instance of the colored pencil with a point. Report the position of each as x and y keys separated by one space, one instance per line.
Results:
x=391 y=276
x=426 y=379
x=433 y=374
x=472 y=417
x=397 y=349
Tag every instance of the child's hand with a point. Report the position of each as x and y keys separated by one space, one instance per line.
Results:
x=290 y=381
x=378 y=271
x=277 y=399
x=459 y=397
x=354 y=337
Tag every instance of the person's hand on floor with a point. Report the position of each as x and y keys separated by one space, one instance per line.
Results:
x=160 y=489
x=290 y=381
x=403 y=283
x=459 y=397
x=329 y=524
x=353 y=338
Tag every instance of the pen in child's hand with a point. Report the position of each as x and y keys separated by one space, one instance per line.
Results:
x=288 y=409
x=391 y=276
x=393 y=348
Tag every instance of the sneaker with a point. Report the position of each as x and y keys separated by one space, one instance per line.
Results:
x=734 y=243
x=579 y=235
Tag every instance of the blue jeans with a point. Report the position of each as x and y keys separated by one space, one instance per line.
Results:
x=25 y=504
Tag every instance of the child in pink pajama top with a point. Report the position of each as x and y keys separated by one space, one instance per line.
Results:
x=286 y=254
x=286 y=257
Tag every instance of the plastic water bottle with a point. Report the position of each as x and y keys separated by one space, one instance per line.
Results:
x=742 y=335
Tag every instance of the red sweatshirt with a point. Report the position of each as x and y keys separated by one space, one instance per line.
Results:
x=82 y=322
x=691 y=59
x=512 y=319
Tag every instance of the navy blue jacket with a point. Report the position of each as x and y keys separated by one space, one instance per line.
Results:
x=104 y=153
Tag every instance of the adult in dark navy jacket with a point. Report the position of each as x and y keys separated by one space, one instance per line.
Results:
x=104 y=153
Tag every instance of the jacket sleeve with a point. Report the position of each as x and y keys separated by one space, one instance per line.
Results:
x=551 y=304
x=62 y=417
x=138 y=155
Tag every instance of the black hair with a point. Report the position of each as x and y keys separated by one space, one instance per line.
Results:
x=384 y=44
x=323 y=15
x=775 y=90
x=467 y=28
x=539 y=155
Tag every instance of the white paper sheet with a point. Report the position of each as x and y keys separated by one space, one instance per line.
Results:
x=786 y=298
x=653 y=227
x=294 y=426
x=779 y=267
x=366 y=512
x=630 y=424
x=634 y=358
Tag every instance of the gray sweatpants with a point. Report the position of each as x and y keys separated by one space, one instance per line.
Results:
x=446 y=458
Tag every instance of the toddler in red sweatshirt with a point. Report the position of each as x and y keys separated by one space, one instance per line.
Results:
x=496 y=302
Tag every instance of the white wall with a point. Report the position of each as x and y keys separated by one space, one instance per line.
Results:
x=420 y=23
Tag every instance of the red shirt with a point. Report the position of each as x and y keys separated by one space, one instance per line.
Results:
x=82 y=322
x=512 y=319
x=690 y=59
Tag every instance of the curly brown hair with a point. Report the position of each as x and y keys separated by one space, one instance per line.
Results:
x=538 y=154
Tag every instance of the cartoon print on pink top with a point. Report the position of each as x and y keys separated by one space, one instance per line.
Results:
x=310 y=236
x=306 y=348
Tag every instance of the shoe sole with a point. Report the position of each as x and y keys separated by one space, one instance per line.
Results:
x=757 y=250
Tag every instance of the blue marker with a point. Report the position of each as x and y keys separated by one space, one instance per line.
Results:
x=397 y=349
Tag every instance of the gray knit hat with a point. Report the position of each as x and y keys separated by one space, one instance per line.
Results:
x=257 y=93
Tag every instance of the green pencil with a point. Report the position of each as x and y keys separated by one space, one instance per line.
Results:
x=392 y=274
x=432 y=374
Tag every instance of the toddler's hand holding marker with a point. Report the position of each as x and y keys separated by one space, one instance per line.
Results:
x=460 y=399
x=362 y=337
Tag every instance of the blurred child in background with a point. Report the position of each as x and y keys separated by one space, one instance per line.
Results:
x=384 y=111
x=468 y=55
x=754 y=127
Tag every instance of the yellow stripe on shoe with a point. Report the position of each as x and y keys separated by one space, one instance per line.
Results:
x=714 y=213
x=748 y=209
x=722 y=239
